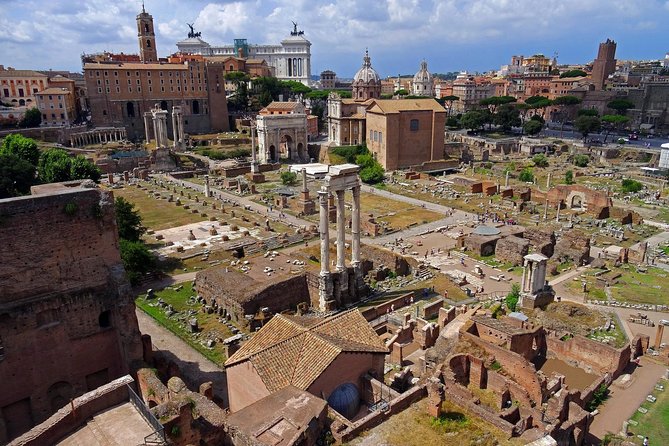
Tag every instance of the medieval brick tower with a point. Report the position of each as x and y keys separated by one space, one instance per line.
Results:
x=146 y=37
x=605 y=64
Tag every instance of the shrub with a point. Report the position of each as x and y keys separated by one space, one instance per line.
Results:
x=136 y=258
x=569 y=177
x=526 y=175
x=513 y=297
x=288 y=178
x=349 y=153
x=581 y=160
x=629 y=185
x=540 y=160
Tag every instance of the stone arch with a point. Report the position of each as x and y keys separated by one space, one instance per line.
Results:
x=301 y=152
x=272 y=154
x=22 y=102
x=576 y=200
x=59 y=394
x=286 y=146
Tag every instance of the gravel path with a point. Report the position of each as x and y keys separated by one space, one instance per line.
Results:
x=195 y=368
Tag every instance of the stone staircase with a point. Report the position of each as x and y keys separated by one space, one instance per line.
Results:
x=423 y=272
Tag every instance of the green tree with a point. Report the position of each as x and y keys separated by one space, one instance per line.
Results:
x=526 y=175
x=32 y=118
x=611 y=122
x=449 y=100
x=573 y=73
x=540 y=160
x=532 y=127
x=569 y=177
x=581 y=160
x=620 y=105
x=587 y=125
x=371 y=171
x=240 y=100
x=19 y=145
x=55 y=165
x=82 y=169
x=16 y=175
x=288 y=178
x=136 y=258
x=128 y=220
x=513 y=297
x=295 y=87
x=472 y=120
x=588 y=112
x=565 y=106
x=401 y=92
x=506 y=117
x=629 y=185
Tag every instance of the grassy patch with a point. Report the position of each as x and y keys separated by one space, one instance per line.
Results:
x=208 y=323
x=649 y=287
x=654 y=423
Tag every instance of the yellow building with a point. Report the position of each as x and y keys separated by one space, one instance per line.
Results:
x=57 y=105
x=18 y=87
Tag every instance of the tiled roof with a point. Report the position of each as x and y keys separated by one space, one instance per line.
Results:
x=20 y=73
x=294 y=350
x=276 y=105
x=398 y=105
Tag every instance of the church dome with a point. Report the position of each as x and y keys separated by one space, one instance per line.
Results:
x=422 y=75
x=366 y=73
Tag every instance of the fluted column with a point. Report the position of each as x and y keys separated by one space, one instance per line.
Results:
x=324 y=232
x=175 y=130
x=155 y=129
x=341 y=232
x=355 y=228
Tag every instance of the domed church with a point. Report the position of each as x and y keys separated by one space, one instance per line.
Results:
x=366 y=83
x=423 y=83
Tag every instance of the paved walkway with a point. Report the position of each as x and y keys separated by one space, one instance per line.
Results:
x=622 y=403
x=195 y=368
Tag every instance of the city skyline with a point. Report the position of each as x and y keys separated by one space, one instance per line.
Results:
x=478 y=36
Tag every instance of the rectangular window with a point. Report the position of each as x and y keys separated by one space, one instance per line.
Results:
x=413 y=125
x=118 y=89
x=50 y=97
x=108 y=90
x=62 y=116
x=139 y=89
x=115 y=73
x=138 y=81
x=129 y=89
x=99 y=89
x=380 y=137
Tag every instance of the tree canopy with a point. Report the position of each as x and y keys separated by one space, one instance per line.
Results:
x=620 y=105
x=55 y=165
x=16 y=175
x=573 y=73
x=566 y=100
x=31 y=118
x=22 y=147
x=532 y=127
x=128 y=220
x=588 y=112
x=587 y=124
x=472 y=120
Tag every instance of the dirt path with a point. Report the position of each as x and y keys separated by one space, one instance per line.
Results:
x=622 y=403
x=195 y=368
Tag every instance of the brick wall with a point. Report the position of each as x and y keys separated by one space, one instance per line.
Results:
x=600 y=357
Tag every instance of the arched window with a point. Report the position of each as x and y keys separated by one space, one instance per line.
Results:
x=148 y=44
x=146 y=27
x=196 y=108
x=290 y=67
x=130 y=108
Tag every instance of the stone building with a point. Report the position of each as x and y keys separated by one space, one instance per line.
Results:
x=366 y=82
x=604 y=64
x=580 y=198
x=314 y=354
x=423 y=84
x=282 y=132
x=289 y=60
x=328 y=79
x=18 y=87
x=57 y=106
x=346 y=120
x=67 y=317
x=405 y=132
x=121 y=92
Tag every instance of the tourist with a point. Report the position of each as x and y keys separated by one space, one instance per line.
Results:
x=645 y=441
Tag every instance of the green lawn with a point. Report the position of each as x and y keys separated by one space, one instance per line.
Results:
x=632 y=286
x=655 y=423
x=206 y=322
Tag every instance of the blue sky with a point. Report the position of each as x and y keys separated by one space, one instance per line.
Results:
x=452 y=35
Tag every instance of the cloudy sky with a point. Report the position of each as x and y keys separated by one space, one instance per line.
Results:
x=452 y=35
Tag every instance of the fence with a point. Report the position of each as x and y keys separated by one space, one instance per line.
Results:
x=148 y=416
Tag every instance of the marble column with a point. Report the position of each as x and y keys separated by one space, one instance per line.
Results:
x=254 y=159
x=355 y=228
x=156 y=131
x=175 y=131
x=341 y=232
x=324 y=231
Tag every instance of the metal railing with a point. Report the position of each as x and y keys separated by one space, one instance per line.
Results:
x=159 y=430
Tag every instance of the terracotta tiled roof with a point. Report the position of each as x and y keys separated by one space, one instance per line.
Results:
x=296 y=350
x=21 y=73
x=384 y=106
x=276 y=105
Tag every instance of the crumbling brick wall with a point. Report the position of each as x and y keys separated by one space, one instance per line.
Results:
x=573 y=245
x=541 y=241
x=588 y=354
x=512 y=249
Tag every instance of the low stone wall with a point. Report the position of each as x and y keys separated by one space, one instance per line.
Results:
x=67 y=420
x=395 y=406
x=588 y=354
x=381 y=309
x=431 y=310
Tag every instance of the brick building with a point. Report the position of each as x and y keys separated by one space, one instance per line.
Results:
x=405 y=132
x=313 y=354
x=67 y=317
x=121 y=92
x=57 y=106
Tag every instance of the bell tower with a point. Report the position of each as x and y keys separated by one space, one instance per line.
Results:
x=146 y=37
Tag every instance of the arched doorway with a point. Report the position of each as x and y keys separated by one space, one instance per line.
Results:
x=59 y=394
x=576 y=202
x=130 y=108
x=272 y=154
x=286 y=147
x=22 y=102
x=300 y=151
x=196 y=108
